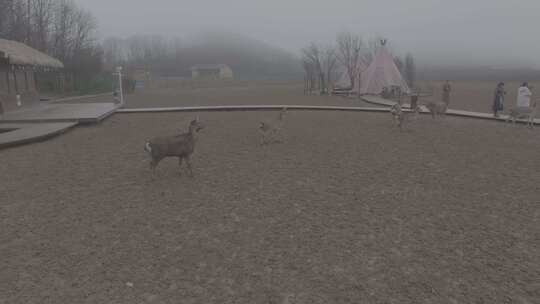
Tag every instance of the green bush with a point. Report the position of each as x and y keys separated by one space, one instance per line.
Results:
x=102 y=83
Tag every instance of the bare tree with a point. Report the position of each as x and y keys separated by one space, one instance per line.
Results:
x=349 y=49
x=56 y=27
x=313 y=58
x=85 y=27
x=113 y=52
x=64 y=19
x=323 y=62
x=310 y=76
x=6 y=7
x=14 y=23
x=41 y=16
x=329 y=64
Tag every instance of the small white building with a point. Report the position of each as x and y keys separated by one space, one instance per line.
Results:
x=211 y=71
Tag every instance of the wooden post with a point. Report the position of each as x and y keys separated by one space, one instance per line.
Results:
x=7 y=81
x=15 y=80
x=26 y=84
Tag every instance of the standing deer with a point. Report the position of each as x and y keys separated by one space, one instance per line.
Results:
x=272 y=131
x=519 y=113
x=437 y=108
x=401 y=117
x=181 y=146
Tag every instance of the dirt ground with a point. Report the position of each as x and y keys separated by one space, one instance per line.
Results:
x=177 y=93
x=347 y=210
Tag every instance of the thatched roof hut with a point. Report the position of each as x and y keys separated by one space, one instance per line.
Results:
x=17 y=53
x=19 y=65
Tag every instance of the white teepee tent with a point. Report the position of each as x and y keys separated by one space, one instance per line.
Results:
x=381 y=73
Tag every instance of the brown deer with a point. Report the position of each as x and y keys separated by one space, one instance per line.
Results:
x=437 y=108
x=401 y=117
x=181 y=146
x=519 y=113
x=272 y=131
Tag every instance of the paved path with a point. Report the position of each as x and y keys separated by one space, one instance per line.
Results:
x=23 y=133
x=385 y=102
x=52 y=112
x=43 y=121
x=252 y=108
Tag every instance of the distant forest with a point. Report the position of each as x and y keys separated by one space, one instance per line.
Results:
x=68 y=32
x=59 y=28
x=64 y=30
x=249 y=58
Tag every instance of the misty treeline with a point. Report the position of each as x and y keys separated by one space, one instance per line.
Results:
x=350 y=54
x=58 y=28
x=249 y=58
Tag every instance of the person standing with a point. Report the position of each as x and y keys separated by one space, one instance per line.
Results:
x=446 y=89
x=498 y=102
x=524 y=98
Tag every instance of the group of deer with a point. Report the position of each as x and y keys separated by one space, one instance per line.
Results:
x=182 y=145
x=439 y=109
x=401 y=117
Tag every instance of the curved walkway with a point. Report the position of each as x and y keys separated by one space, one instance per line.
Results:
x=252 y=108
x=388 y=103
x=39 y=122
x=23 y=133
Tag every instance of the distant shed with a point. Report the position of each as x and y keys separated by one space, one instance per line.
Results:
x=18 y=66
x=211 y=71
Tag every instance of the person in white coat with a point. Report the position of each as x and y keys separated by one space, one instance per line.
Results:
x=524 y=98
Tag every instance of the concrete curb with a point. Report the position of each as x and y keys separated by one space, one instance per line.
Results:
x=251 y=108
x=31 y=132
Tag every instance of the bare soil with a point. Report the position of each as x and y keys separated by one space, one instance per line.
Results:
x=183 y=93
x=347 y=210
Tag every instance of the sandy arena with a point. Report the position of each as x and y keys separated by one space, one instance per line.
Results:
x=347 y=210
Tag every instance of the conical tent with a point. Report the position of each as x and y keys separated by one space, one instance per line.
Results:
x=381 y=73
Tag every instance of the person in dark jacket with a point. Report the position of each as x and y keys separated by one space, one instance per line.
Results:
x=498 y=100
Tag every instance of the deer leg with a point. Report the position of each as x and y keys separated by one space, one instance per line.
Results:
x=279 y=136
x=180 y=158
x=263 y=139
x=188 y=163
x=153 y=164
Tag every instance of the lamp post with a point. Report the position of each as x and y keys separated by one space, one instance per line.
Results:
x=119 y=73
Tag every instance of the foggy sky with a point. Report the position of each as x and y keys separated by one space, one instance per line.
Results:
x=452 y=32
